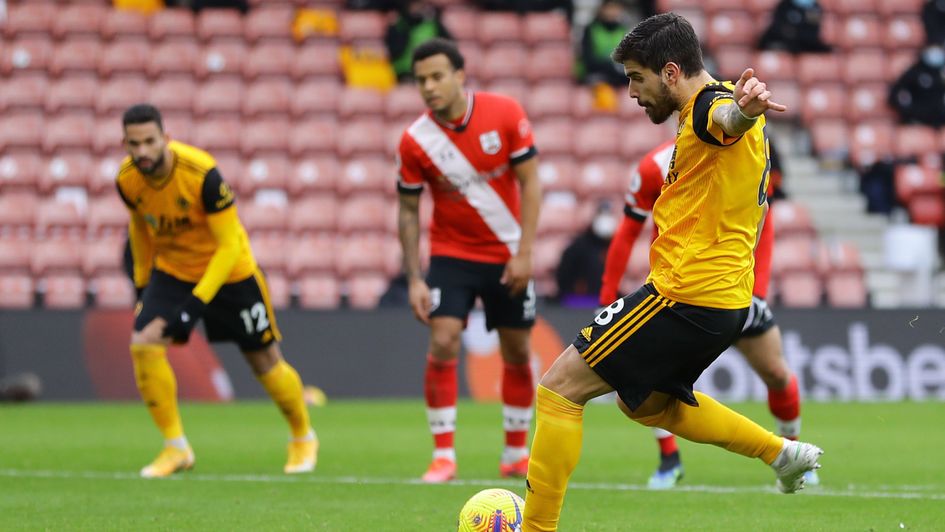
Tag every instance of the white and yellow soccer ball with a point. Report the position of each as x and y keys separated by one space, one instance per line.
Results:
x=492 y=510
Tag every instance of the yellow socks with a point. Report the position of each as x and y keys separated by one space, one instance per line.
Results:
x=556 y=448
x=285 y=387
x=715 y=423
x=158 y=387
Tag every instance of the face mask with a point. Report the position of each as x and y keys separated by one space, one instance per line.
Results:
x=804 y=4
x=604 y=226
x=933 y=56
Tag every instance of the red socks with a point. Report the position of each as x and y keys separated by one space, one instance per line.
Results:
x=518 y=393
x=441 y=390
x=785 y=406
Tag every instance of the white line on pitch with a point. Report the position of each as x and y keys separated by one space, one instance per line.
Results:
x=862 y=492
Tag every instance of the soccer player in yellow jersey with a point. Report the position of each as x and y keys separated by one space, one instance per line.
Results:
x=652 y=345
x=192 y=260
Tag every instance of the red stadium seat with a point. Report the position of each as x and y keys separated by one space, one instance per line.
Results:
x=663 y=6
x=365 y=290
x=118 y=94
x=317 y=97
x=107 y=214
x=56 y=256
x=404 y=102
x=550 y=62
x=864 y=66
x=867 y=102
x=104 y=255
x=365 y=253
x=731 y=28
x=269 y=171
x=839 y=257
x=125 y=56
x=503 y=61
x=15 y=255
x=219 y=97
x=309 y=254
x=222 y=59
x=792 y=218
x=547 y=254
x=173 y=24
x=173 y=94
x=900 y=7
x=793 y=253
x=109 y=133
x=30 y=53
x=63 y=291
x=367 y=174
x=602 y=178
x=66 y=169
x=800 y=290
x=273 y=59
x=313 y=214
x=269 y=249
x=545 y=27
x=927 y=208
x=361 y=138
x=218 y=134
x=495 y=27
x=363 y=103
x=558 y=214
x=113 y=291
x=360 y=27
x=279 y=290
x=913 y=179
x=546 y=99
x=915 y=140
x=641 y=136
x=30 y=18
x=849 y=7
x=76 y=55
x=173 y=58
x=818 y=68
x=830 y=137
x=16 y=291
x=859 y=32
x=20 y=170
x=316 y=174
x=472 y=55
x=824 y=102
x=267 y=23
x=367 y=212
x=846 y=290
x=102 y=180
x=904 y=32
x=557 y=173
x=312 y=137
x=229 y=164
x=72 y=93
x=461 y=23
x=732 y=61
x=257 y=216
x=59 y=218
x=24 y=91
x=774 y=65
x=317 y=60
x=871 y=141
x=123 y=23
x=597 y=138
x=78 y=19
x=217 y=25
x=319 y=292
x=514 y=88
x=68 y=131
x=21 y=130
x=265 y=137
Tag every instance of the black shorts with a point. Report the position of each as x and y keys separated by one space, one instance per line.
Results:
x=759 y=320
x=455 y=283
x=240 y=312
x=645 y=342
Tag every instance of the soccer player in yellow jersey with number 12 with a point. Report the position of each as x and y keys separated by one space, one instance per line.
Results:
x=192 y=260
x=653 y=344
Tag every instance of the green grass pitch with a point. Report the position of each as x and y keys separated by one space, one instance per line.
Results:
x=74 y=466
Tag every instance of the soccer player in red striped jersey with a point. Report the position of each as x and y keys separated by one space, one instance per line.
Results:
x=476 y=153
x=760 y=339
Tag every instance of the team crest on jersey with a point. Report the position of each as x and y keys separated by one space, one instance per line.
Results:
x=491 y=142
x=182 y=203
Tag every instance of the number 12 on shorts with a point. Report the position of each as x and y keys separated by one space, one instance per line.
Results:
x=255 y=318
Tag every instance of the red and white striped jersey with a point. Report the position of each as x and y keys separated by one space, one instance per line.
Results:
x=468 y=167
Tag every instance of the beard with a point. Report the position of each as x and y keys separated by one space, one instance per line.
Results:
x=155 y=165
x=661 y=109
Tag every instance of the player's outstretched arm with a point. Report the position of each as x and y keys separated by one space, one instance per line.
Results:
x=408 y=230
x=618 y=255
x=518 y=271
x=751 y=100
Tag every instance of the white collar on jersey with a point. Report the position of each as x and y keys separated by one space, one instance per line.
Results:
x=470 y=97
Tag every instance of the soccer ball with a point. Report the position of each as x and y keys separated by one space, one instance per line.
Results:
x=492 y=510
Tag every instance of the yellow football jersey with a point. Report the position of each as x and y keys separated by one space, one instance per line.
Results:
x=176 y=212
x=709 y=208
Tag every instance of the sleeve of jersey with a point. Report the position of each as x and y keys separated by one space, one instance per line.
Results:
x=142 y=250
x=646 y=181
x=410 y=176
x=225 y=227
x=520 y=135
x=216 y=193
x=618 y=254
x=703 y=124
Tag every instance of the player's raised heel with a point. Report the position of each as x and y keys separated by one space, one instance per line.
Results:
x=169 y=461
x=793 y=462
x=303 y=455
x=517 y=469
x=441 y=470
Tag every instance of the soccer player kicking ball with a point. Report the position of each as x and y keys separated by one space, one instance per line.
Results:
x=192 y=260
x=653 y=344
x=760 y=337
x=475 y=152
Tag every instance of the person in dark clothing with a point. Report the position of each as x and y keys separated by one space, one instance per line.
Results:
x=582 y=264
x=417 y=22
x=918 y=96
x=933 y=20
x=524 y=6
x=795 y=28
x=600 y=38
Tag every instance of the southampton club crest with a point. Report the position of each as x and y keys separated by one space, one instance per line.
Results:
x=491 y=142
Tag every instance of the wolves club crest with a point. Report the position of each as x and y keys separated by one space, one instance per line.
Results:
x=491 y=142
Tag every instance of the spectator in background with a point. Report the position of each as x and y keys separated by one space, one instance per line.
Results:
x=523 y=6
x=795 y=28
x=417 y=21
x=197 y=5
x=601 y=36
x=933 y=19
x=918 y=96
x=582 y=264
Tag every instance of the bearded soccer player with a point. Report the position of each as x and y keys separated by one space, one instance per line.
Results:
x=475 y=152
x=192 y=260
x=652 y=345
x=760 y=337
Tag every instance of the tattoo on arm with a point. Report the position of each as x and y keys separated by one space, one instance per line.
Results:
x=408 y=229
x=732 y=121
